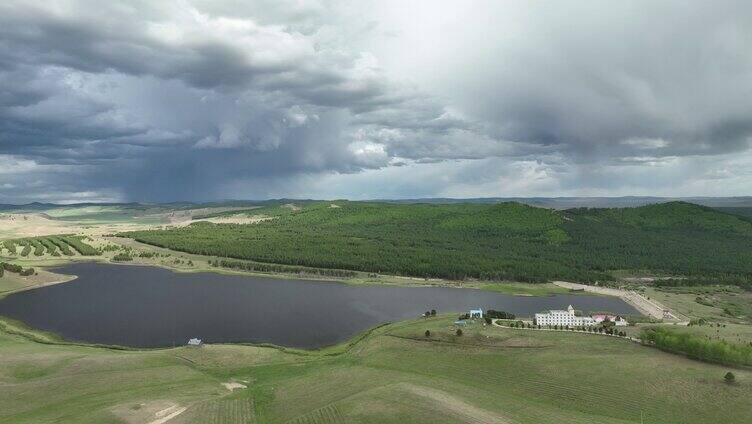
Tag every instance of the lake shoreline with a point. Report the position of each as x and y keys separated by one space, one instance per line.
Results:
x=507 y=287
x=238 y=309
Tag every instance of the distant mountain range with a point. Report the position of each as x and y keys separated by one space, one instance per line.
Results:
x=592 y=202
x=546 y=202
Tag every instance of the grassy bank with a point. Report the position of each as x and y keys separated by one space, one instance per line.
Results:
x=392 y=374
x=145 y=254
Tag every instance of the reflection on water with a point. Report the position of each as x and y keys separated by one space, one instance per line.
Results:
x=151 y=307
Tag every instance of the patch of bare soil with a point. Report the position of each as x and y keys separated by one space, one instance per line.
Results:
x=12 y=282
x=154 y=412
x=453 y=405
x=18 y=225
x=236 y=219
x=293 y=207
x=232 y=385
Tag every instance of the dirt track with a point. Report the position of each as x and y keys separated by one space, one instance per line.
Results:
x=647 y=307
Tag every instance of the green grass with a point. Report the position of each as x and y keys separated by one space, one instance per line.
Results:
x=714 y=305
x=393 y=374
x=732 y=333
x=523 y=289
x=11 y=281
x=507 y=241
x=93 y=215
x=673 y=339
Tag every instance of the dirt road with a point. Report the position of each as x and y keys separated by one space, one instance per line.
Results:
x=647 y=307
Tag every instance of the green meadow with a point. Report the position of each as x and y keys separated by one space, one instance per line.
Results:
x=392 y=374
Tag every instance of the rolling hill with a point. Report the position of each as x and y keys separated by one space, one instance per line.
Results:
x=505 y=241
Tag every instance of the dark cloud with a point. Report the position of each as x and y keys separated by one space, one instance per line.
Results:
x=177 y=100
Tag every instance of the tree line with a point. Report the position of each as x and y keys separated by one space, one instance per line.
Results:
x=66 y=244
x=697 y=347
x=264 y=267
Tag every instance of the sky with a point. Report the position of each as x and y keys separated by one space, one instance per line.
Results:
x=200 y=100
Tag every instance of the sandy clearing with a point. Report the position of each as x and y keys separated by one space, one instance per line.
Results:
x=22 y=225
x=168 y=414
x=292 y=207
x=178 y=217
x=236 y=219
x=152 y=412
x=231 y=386
x=18 y=225
x=467 y=412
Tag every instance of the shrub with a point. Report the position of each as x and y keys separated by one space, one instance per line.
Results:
x=729 y=377
x=11 y=246
x=38 y=247
x=82 y=248
x=16 y=268
x=122 y=257
x=62 y=245
x=428 y=333
x=265 y=267
x=499 y=314
x=50 y=246
x=458 y=332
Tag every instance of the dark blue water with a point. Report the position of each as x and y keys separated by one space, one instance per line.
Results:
x=151 y=307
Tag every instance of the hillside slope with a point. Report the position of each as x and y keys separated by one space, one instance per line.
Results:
x=501 y=241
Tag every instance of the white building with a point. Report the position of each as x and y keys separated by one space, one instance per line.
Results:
x=563 y=318
x=616 y=319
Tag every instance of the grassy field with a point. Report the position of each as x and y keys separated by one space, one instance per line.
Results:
x=523 y=289
x=709 y=303
x=394 y=374
x=11 y=281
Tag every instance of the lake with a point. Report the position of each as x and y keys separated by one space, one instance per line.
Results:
x=143 y=306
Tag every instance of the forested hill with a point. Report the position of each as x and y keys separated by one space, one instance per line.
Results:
x=499 y=241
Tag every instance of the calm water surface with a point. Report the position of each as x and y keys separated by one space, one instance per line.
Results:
x=151 y=307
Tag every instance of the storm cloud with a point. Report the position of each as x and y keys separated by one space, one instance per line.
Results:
x=203 y=100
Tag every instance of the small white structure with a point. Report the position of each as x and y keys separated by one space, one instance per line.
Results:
x=476 y=313
x=563 y=318
x=616 y=319
x=195 y=342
